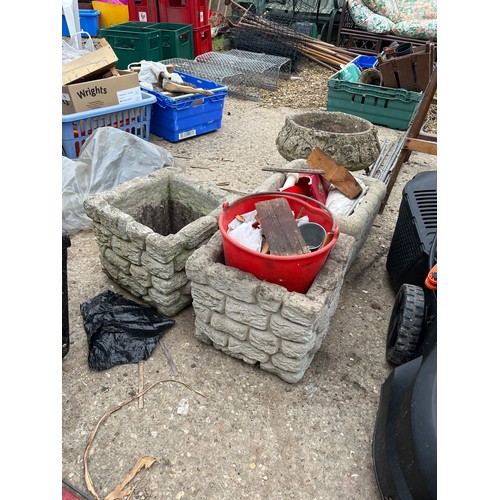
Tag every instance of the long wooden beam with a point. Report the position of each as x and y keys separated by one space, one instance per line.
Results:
x=421 y=146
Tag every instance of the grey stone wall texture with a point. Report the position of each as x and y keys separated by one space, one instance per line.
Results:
x=148 y=263
x=260 y=322
x=158 y=238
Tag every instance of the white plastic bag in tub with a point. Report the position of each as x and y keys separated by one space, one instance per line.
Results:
x=150 y=72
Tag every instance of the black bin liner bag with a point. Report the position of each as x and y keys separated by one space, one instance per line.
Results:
x=120 y=331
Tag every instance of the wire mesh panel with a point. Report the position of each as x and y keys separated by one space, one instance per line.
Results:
x=263 y=36
x=261 y=70
x=214 y=72
x=243 y=73
x=283 y=63
x=289 y=31
x=318 y=18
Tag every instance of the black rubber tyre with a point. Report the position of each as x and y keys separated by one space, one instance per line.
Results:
x=405 y=325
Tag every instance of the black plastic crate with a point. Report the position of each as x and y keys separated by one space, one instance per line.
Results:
x=415 y=232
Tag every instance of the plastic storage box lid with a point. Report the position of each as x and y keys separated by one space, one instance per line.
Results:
x=365 y=62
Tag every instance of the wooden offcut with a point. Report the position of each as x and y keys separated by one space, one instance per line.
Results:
x=183 y=88
x=280 y=228
x=338 y=175
x=415 y=139
x=141 y=384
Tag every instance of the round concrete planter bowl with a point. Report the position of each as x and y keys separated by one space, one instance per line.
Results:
x=351 y=141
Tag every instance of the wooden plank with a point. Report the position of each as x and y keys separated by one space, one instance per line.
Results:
x=338 y=175
x=280 y=228
x=422 y=146
x=422 y=67
x=388 y=70
x=184 y=89
x=169 y=357
x=413 y=132
x=425 y=136
x=405 y=73
x=141 y=383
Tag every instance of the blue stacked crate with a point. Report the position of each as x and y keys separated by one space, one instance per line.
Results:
x=89 y=22
x=184 y=116
x=133 y=117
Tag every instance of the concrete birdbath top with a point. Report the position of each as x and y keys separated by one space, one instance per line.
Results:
x=351 y=141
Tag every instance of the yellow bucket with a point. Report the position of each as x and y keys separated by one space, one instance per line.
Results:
x=111 y=14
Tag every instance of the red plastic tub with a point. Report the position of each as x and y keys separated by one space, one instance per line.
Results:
x=295 y=273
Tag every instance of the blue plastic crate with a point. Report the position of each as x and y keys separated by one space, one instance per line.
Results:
x=365 y=62
x=133 y=117
x=89 y=22
x=185 y=116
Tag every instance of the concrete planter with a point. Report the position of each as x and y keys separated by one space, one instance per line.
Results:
x=259 y=322
x=148 y=227
x=263 y=323
x=348 y=139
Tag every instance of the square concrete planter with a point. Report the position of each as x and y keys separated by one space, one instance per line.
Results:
x=259 y=322
x=147 y=228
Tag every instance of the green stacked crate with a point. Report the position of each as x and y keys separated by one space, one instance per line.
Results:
x=133 y=44
x=176 y=39
x=393 y=108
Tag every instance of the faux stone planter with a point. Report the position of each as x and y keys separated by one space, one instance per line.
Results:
x=259 y=322
x=359 y=223
x=147 y=228
x=350 y=140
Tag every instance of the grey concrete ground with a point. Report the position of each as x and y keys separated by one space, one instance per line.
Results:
x=219 y=428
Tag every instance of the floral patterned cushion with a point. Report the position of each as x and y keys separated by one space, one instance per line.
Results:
x=418 y=28
x=406 y=18
x=418 y=9
x=367 y=20
x=386 y=8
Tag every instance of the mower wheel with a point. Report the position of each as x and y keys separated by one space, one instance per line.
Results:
x=406 y=324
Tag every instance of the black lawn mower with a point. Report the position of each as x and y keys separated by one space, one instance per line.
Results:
x=404 y=447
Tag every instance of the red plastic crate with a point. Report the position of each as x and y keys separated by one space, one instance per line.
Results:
x=202 y=38
x=143 y=10
x=194 y=12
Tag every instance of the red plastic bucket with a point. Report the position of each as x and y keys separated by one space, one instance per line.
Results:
x=296 y=273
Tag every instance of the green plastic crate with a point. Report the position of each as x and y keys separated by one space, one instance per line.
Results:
x=392 y=108
x=133 y=44
x=176 y=39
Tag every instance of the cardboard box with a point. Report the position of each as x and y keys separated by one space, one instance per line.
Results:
x=90 y=65
x=117 y=87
